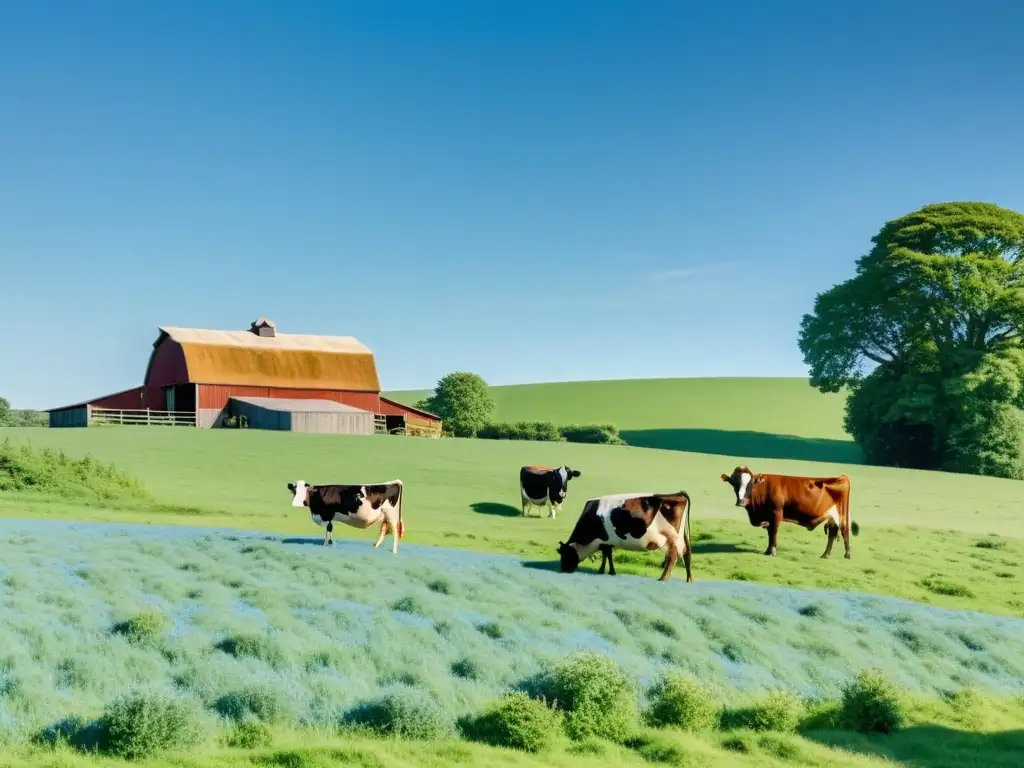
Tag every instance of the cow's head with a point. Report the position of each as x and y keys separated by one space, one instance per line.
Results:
x=570 y=558
x=742 y=481
x=300 y=493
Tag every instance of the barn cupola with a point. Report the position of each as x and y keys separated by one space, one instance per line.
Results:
x=264 y=327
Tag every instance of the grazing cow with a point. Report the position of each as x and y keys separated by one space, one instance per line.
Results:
x=540 y=486
x=771 y=500
x=635 y=521
x=357 y=505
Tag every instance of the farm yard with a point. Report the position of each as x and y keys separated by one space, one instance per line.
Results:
x=190 y=579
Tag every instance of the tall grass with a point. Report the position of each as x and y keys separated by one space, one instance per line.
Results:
x=46 y=471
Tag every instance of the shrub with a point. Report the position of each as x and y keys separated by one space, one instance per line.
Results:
x=681 y=702
x=543 y=431
x=250 y=735
x=597 y=698
x=139 y=725
x=602 y=434
x=143 y=628
x=515 y=721
x=467 y=668
x=260 y=647
x=50 y=472
x=260 y=701
x=409 y=604
x=406 y=712
x=778 y=711
x=871 y=704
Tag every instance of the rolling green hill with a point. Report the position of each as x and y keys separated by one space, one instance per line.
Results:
x=777 y=418
x=920 y=531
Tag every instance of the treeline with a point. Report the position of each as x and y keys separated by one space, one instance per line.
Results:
x=600 y=434
x=13 y=417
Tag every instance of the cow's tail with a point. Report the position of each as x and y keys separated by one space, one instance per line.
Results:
x=847 y=514
x=689 y=509
x=401 y=504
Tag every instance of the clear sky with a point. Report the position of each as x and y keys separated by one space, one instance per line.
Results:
x=534 y=191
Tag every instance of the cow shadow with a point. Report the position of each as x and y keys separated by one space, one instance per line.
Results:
x=496 y=509
x=551 y=566
x=720 y=548
x=304 y=542
x=721 y=442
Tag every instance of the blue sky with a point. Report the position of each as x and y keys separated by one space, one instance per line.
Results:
x=532 y=191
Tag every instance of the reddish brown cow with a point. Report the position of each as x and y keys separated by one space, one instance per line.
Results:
x=771 y=500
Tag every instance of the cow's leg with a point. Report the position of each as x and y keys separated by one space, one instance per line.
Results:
x=845 y=529
x=391 y=521
x=604 y=558
x=687 y=552
x=383 y=533
x=773 y=533
x=606 y=553
x=674 y=546
x=831 y=530
x=328 y=537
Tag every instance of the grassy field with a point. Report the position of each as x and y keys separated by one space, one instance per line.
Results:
x=299 y=636
x=949 y=540
x=776 y=418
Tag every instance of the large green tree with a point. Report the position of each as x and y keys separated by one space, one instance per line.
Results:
x=463 y=401
x=927 y=338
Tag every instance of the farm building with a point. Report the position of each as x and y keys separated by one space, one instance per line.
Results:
x=206 y=378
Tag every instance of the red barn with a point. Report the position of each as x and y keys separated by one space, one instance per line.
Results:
x=194 y=374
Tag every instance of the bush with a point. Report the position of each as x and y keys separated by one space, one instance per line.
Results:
x=543 y=431
x=23 y=469
x=250 y=735
x=597 y=698
x=406 y=712
x=871 y=704
x=602 y=434
x=515 y=721
x=254 y=646
x=260 y=701
x=778 y=711
x=681 y=702
x=139 y=725
x=143 y=628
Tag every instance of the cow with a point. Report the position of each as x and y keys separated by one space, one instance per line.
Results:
x=357 y=505
x=771 y=500
x=540 y=486
x=632 y=521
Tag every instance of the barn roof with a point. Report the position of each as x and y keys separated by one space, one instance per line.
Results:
x=283 y=360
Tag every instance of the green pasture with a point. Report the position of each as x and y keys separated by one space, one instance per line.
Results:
x=949 y=540
x=783 y=418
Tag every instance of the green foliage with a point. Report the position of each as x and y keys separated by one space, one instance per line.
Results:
x=254 y=646
x=515 y=721
x=871 y=704
x=260 y=701
x=679 y=701
x=250 y=735
x=524 y=430
x=598 y=434
x=927 y=335
x=48 y=472
x=463 y=402
x=598 y=699
x=143 y=628
x=11 y=417
x=139 y=725
x=545 y=431
x=406 y=712
x=778 y=711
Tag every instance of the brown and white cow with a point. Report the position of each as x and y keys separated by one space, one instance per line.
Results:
x=357 y=505
x=633 y=521
x=771 y=500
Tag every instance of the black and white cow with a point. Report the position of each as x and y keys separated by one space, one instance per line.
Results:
x=634 y=521
x=540 y=486
x=357 y=505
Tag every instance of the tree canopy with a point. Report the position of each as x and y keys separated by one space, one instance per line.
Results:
x=927 y=337
x=463 y=402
